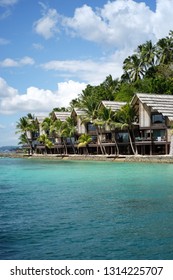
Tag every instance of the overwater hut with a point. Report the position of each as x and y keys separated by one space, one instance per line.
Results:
x=153 y=128
x=77 y=115
x=155 y=120
x=61 y=144
x=112 y=137
x=84 y=127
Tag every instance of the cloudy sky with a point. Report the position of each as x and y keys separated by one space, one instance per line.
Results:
x=51 y=49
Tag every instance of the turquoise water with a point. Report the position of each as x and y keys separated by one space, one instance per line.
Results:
x=85 y=210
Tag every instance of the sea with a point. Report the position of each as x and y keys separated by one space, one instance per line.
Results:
x=85 y=210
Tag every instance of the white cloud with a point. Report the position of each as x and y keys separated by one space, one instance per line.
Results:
x=7 y=2
x=46 y=26
x=26 y=61
x=35 y=99
x=4 y=41
x=8 y=62
x=86 y=24
x=90 y=71
x=37 y=46
x=119 y=23
x=162 y=20
x=6 y=91
x=68 y=91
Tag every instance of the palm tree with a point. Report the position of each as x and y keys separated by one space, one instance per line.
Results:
x=125 y=116
x=108 y=119
x=23 y=139
x=147 y=53
x=69 y=130
x=56 y=130
x=45 y=141
x=165 y=49
x=26 y=126
x=84 y=140
x=134 y=66
x=171 y=142
x=47 y=125
x=109 y=88
x=90 y=107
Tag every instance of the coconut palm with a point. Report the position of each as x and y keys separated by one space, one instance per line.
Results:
x=23 y=139
x=171 y=142
x=69 y=130
x=109 y=88
x=165 y=49
x=108 y=119
x=47 y=125
x=43 y=139
x=56 y=128
x=147 y=54
x=56 y=131
x=125 y=116
x=26 y=126
x=84 y=140
x=135 y=67
x=90 y=107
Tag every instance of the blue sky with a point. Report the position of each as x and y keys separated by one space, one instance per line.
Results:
x=51 y=49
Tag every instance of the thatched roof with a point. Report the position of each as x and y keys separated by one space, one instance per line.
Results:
x=158 y=102
x=79 y=112
x=40 y=119
x=113 y=105
x=62 y=116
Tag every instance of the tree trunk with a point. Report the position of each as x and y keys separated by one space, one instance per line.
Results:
x=171 y=146
x=135 y=148
x=115 y=141
x=72 y=146
x=65 y=146
x=131 y=143
x=104 y=149
x=30 y=144
x=99 y=142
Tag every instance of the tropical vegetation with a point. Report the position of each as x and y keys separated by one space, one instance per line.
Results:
x=148 y=70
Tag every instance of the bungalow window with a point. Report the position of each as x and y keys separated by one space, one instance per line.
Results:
x=122 y=137
x=158 y=134
x=94 y=138
x=91 y=127
x=157 y=118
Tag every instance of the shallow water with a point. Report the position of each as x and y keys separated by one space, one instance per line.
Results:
x=85 y=210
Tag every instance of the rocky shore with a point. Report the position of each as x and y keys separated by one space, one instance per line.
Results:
x=112 y=158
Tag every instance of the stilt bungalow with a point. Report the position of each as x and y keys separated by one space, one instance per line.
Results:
x=152 y=129
x=155 y=119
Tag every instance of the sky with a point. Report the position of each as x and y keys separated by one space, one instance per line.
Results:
x=51 y=49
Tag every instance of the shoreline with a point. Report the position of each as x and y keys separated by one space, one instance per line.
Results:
x=110 y=158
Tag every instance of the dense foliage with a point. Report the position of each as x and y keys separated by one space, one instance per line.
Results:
x=148 y=70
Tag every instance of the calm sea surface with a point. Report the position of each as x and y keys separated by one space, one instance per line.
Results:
x=85 y=210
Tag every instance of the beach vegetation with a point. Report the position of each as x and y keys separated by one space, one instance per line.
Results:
x=27 y=127
x=83 y=141
x=126 y=118
x=43 y=139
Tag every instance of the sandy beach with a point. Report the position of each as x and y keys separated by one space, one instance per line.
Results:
x=112 y=158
